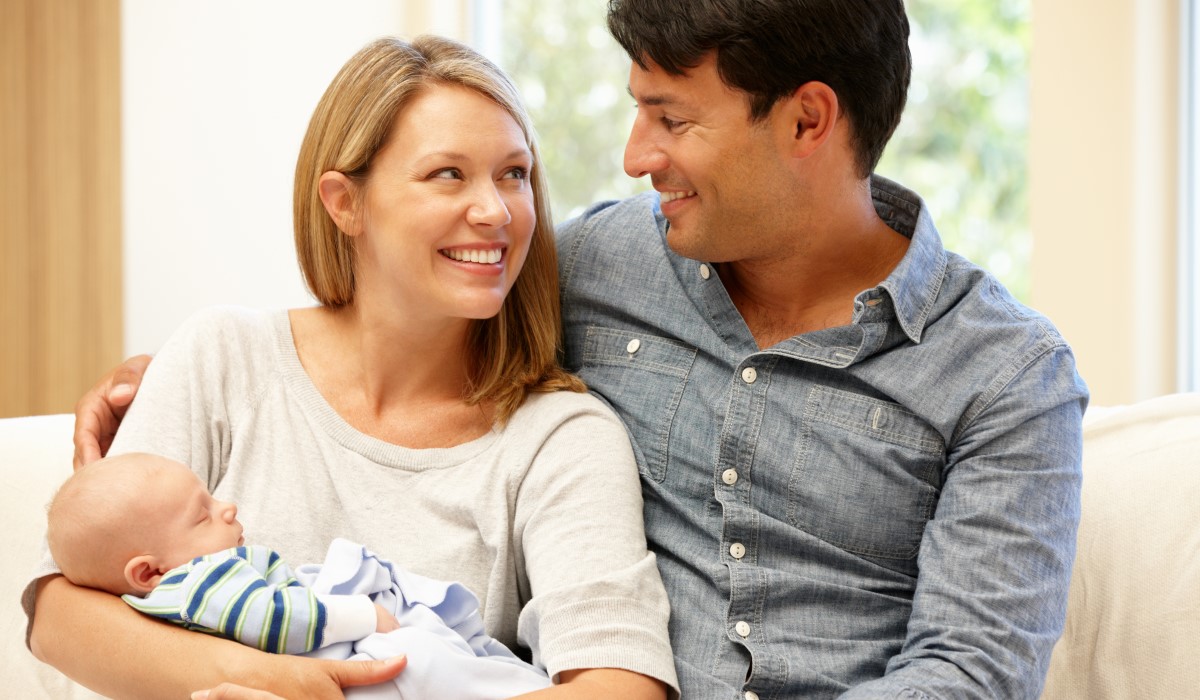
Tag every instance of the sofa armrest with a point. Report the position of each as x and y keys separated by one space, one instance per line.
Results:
x=1133 y=614
x=36 y=458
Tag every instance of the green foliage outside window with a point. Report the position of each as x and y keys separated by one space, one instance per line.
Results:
x=961 y=144
x=963 y=140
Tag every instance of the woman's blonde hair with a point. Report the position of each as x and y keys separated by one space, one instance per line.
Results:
x=510 y=354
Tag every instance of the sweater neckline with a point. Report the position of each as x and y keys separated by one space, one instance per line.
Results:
x=314 y=405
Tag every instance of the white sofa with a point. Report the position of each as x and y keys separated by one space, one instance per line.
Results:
x=1133 y=625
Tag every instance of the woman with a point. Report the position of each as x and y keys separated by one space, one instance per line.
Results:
x=418 y=410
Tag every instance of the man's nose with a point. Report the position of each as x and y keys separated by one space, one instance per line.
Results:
x=643 y=155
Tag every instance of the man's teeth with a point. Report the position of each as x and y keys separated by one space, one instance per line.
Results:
x=672 y=196
x=487 y=257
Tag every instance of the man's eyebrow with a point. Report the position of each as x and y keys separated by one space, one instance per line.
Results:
x=652 y=100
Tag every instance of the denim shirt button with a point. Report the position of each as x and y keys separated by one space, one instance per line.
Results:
x=751 y=695
x=633 y=346
x=729 y=476
x=749 y=375
x=742 y=628
x=737 y=550
x=705 y=272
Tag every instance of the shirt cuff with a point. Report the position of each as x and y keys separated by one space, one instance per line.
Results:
x=348 y=618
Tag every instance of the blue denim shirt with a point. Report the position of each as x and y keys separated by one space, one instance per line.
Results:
x=884 y=509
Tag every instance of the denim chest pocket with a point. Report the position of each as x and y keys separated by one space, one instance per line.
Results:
x=643 y=377
x=867 y=476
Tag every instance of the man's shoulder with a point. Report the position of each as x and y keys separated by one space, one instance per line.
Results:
x=976 y=297
x=985 y=337
x=607 y=224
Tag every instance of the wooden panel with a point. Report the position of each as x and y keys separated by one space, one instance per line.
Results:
x=60 y=195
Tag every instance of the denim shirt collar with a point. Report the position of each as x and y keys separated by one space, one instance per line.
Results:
x=914 y=284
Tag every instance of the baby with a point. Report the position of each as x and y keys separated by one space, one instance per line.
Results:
x=144 y=527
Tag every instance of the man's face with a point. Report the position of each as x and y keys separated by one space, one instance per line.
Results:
x=724 y=181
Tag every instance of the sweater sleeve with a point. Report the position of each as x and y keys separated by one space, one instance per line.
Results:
x=597 y=598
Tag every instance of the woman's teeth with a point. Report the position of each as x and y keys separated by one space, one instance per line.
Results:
x=487 y=257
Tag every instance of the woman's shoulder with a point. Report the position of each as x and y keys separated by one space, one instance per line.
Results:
x=229 y=321
x=566 y=424
x=224 y=341
x=556 y=408
x=227 y=330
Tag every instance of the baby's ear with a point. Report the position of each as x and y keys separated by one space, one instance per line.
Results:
x=142 y=574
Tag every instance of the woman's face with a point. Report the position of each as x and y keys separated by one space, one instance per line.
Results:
x=447 y=212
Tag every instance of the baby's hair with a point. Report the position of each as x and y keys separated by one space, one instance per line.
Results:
x=87 y=520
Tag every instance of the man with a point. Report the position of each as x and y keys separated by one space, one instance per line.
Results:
x=860 y=456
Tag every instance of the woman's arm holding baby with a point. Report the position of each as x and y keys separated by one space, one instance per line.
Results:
x=600 y=683
x=102 y=643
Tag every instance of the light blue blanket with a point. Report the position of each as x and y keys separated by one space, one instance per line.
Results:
x=450 y=656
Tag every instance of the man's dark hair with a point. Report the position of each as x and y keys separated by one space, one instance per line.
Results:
x=768 y=48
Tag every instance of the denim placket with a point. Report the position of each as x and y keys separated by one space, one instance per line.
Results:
x=733 y=481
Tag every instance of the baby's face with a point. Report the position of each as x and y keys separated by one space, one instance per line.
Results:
x=189 y=521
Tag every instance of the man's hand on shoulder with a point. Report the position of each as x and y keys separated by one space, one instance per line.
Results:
x=99 y=412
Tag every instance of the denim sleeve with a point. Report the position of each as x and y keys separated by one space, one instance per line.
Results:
x=995 y=560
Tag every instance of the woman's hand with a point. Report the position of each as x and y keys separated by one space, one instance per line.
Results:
x=100 y=410
x=345 y=673
x=229 y=691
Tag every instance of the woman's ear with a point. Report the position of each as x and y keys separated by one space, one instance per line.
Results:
x=142 y=574
x=339 y=195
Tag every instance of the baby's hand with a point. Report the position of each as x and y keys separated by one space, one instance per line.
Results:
x=384 y=621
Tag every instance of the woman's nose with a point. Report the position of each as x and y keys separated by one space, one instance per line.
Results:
x=489 y=208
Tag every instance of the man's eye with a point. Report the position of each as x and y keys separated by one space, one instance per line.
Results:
x=671 y=124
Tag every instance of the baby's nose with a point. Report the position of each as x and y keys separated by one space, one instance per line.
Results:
x=230 y=512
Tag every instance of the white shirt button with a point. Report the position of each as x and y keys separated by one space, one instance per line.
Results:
x=737 y=550
x=705 y=272
x=729 y=476
x=633 y=346
x=742 y=628
x=751 y=695
x=749 y=375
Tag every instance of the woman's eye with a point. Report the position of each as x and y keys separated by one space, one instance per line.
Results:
x=447 y=174
x=517 y=173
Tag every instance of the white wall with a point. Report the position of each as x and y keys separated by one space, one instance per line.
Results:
x=1104 y=167
x=216 y=98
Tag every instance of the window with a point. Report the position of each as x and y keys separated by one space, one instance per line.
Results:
x=961 y=144
x=1189 y=216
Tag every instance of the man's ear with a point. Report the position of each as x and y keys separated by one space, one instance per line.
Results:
x=811 y=113
x=142 y=574
x=339 y=195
